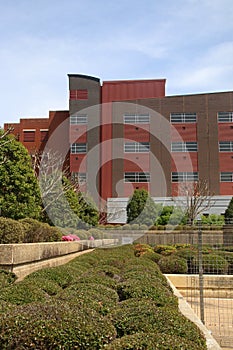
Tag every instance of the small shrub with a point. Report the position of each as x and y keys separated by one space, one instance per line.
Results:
x=55 y=325
x=94 y=232
x=126 y=227
x=155 y=257
x=11 y=231
x=135 y=227
x=164 y=249
x=140 y=249
x=143 y=227
x=36 y=231
x=134 y=315
x=173 y=264
x=212 y=264
x=153 y=341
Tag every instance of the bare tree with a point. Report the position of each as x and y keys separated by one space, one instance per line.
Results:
x=49 y=168
x=4 y=140
x=195 y=198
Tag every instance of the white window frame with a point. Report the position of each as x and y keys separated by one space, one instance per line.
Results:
x=180 y=118
x=225 y=146
x=77 y=148
x=133 y=118
x=81 y=177
x=137 y=177
x=225 y=117
x=226 y=176
x=184 y=176
x=78 y=119
x=188 y=146
x=136 y=147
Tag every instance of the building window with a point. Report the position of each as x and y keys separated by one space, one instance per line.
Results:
x=78 y=119
x=134 y=147
x=43 y=135
x=183 y=118
x=81 y=94
x=137 y=118
x=136 y=177
x=80 y=177
x=226 y=177
x=184 y=177
x=184 y=147
x=225 y=117
x=78 y=148
x=226 y=146
x=29 y=135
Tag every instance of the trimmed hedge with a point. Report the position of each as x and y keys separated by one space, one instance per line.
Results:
x=173 y=264
x=11 y=231
x=102 y=300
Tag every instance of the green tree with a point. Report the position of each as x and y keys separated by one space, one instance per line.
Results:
x=70 y=208
x=141 y=208
x=229 y=212
x=19 y=190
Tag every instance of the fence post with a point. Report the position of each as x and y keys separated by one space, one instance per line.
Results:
x=200 y=271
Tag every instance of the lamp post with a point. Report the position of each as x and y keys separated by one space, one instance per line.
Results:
x=200 y=272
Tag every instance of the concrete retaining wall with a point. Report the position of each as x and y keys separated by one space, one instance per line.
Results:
x=23 y=259
x=215 y=286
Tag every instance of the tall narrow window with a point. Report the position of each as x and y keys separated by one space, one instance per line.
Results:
x=44 y=135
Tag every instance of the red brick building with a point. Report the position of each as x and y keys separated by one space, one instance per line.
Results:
x=124 y=135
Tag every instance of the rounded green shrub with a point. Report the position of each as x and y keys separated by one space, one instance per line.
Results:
x=173 y=264
x=155 y=257
x=36 y=231
x=11 y=231
x=153 y=341
x=55 y=325
x=164 y=249
x=134 y=315
x=212 y=264
x=126 y=227
x=94 y=232
x=135 y=227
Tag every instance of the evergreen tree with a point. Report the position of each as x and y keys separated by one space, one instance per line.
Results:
x=229 y=212
x=19 y=190
x=141 y=208
x=71 y=209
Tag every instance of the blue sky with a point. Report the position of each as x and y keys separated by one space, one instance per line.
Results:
x=188 y=42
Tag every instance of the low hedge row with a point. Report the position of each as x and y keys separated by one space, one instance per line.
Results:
x=32 y=231
x=107 y=299
x=183 y=258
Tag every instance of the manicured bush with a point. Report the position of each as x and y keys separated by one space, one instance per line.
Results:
x=143 y=227
x=36 y=231
x=22 y=293
x=212 y=264
x=164 y=249
x=153 y=341
x=133 y=316
x=126 y=227
x=55 y=325
x=173 y=264
x=135 y=226
x=152 y=256
x=97 y=234
x=140 y=249
x=11 y=231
